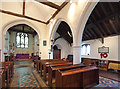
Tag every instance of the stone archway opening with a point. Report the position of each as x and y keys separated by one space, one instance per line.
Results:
x=63 y=36
x=11 y=45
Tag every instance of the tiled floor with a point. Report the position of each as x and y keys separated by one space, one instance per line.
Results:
x=26 y=76
x=110 y=74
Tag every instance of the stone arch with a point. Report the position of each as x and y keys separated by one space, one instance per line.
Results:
x=79 y=31
x=55 y=26
x=13 y=23
x=83 y=20
x=58 y=46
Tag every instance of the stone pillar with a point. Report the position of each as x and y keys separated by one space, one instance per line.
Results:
x=76 y=54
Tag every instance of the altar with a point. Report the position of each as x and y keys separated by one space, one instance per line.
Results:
x=22 y=56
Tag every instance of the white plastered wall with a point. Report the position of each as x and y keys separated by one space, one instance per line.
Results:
x=6 y=47
x=9 y=21
x=36 y=45
x=65 y=47
x=75 y=15
x=111 y=42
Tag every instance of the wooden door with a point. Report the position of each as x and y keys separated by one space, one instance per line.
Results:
x=57 y=54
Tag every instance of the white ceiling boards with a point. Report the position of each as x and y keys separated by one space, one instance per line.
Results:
x=39 y=10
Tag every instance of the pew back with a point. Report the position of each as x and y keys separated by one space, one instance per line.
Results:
x=84 y=77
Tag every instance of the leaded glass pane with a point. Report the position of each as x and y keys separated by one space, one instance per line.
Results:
x=18 y=40
x=22 y=40
x=26 y=41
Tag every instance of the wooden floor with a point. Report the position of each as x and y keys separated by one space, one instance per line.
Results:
x=110 y=75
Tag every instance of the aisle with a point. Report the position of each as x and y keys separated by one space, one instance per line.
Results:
x=26 y=76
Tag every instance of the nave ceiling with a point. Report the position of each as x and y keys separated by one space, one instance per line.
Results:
x=104 y=20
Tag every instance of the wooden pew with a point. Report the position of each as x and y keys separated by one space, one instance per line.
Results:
x=2 y=78
x=52 y=70
x=59 y=63
x=82 y=78
x=45 y=64
x=37 y=62
x=8 y=68
x=42 y=62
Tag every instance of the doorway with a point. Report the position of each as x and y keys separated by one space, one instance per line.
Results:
x=56 y=53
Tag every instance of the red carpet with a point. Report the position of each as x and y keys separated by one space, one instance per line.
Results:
x=23 y=59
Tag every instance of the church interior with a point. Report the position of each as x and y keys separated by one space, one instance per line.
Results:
x=60 y=44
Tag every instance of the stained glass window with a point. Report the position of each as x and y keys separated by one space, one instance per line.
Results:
x=18 y=39
x=22 y=40
x=26 y=41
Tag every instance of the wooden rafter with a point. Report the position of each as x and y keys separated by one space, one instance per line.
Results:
x=100 y=27
x=100 y=33
x=92 y=32
x=23 y=28
x=111 y=6
x=87 y=32
x=108 y=30
x=19 y=15
x=87 y=36
x=94 y=26
x=114 y=28
x=48 y=3
x=16 y=30
x=23 y=7
x=103 y=25
x=98 y=14
x=93 y=17
x=58 y=10
x=106 y=18
x=102 y=7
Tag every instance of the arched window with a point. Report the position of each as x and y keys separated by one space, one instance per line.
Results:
x=22 y=40
x=85 y=49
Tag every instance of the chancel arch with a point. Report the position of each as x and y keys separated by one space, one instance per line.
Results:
x=23 y=23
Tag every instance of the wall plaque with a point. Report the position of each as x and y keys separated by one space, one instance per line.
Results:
x=103 y=49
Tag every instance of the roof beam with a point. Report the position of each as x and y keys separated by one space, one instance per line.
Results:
x=98 y=30
x=48 y=3
x=58 y=10
x=106 y=18
x=100 y=33
x=16 y=30
x=23 y=7
x=102 y=7
x=114 y=28
x=92 y=32
x=108 y=30
x=97 y=12
x=87 y=32
x=103 y=31
x=111 y=7
x=19 y=15
x=87 y=36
